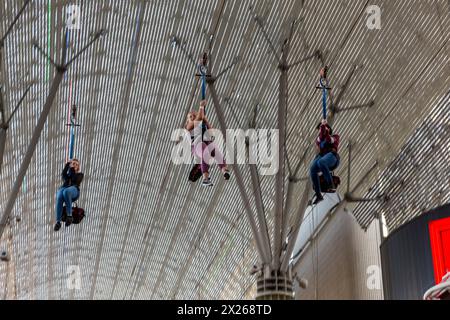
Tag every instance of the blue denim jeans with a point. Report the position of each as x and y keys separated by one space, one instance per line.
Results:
x=67 y=196
x=322 y=164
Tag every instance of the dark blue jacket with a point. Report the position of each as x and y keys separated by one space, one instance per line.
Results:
x=70 y=177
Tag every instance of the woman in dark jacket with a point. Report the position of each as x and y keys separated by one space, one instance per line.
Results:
x=68 y=192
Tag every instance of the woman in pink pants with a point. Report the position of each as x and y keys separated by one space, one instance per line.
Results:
x=202 y=148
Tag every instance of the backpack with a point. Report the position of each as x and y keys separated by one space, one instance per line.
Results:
x=77 y=214
x=195 y=173
x=324 y=184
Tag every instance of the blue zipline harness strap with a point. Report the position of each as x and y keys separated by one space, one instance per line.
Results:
x=72 y=131
x=325 y=86
x=203 y=75
x=72 y=125
x=202 y=68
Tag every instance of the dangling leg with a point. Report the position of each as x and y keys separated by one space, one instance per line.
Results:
x=199 y=151
x=196 y=171
x=220 y=159
x=314 y=174
x=325 y=163
x=59 y=208
x=70 y=194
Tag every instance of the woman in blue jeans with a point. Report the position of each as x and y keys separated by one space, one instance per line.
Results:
x=326 y=161
x=68 y=192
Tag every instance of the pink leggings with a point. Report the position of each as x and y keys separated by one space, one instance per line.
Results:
x=211 y=152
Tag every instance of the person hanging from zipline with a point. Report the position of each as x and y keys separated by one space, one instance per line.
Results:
x=326 y=161
x=327 y=144
x=202 y=146
x=72 y=177
x=68 y=192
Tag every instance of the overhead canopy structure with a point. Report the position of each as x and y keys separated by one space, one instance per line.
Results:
x=417 y=180
x=149 y=233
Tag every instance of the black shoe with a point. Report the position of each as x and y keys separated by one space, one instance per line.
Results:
x=57 y=226
x=318 y=199
x=330 y=188
x=226 y=175
x=69 y=220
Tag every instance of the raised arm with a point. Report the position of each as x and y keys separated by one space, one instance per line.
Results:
x=324 y=134
x=201 y=111
x=64 y=173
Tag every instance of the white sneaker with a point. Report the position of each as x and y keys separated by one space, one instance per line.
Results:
x=207 y=183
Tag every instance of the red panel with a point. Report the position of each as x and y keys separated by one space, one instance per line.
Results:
x=440 y=247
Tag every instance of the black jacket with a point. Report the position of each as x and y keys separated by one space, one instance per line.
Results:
x=70 y=177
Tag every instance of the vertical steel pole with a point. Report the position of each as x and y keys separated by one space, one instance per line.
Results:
x=263 y=252
x=297 y=224
x=287 y=208
x=260 y=208
x=279 y=179
x=258 y=196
